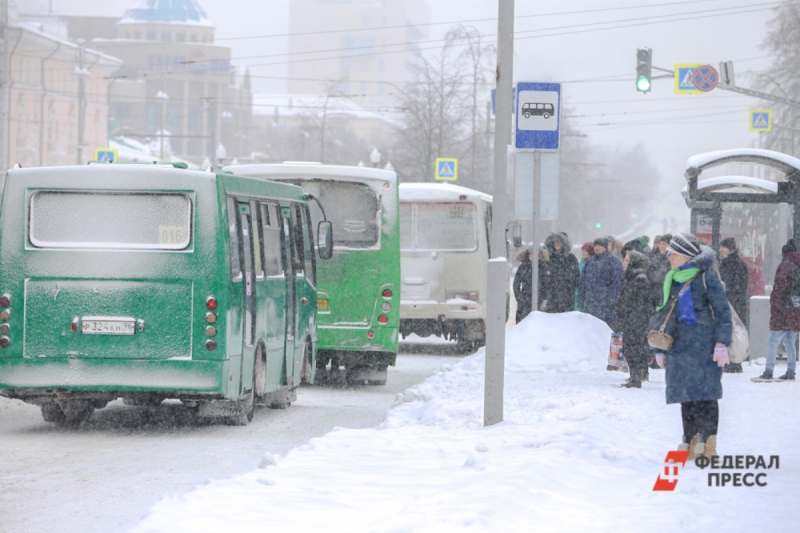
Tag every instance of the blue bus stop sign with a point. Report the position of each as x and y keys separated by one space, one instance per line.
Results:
x=538 y=112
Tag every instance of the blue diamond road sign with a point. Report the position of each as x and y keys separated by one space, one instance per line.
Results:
x=538 y=112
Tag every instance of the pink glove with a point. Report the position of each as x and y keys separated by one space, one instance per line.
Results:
x=721 y=356
x=661 y=359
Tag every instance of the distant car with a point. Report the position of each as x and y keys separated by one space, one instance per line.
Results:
x=542 y=110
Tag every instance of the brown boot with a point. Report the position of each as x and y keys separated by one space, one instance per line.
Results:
x=711 y=447
x=693 y=446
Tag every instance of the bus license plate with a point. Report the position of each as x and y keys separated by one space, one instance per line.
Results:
x=108 y=326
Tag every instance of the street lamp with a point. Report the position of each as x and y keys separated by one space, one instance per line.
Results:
x=221 y=153
x=375 y=157
x=161 y=95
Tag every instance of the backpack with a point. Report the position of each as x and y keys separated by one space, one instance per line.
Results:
x=794 y=287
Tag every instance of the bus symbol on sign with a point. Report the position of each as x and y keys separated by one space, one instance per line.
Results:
x=537 y=109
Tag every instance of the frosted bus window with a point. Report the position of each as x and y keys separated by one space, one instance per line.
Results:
x=351 y=207
x=110 y=221
x=445 y=226
x=406 y=239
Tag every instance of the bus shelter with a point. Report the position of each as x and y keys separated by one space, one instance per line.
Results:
x=760 y=213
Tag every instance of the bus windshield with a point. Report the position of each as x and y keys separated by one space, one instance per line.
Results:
x=438 y=226
x=110 y=221
x=352 y=208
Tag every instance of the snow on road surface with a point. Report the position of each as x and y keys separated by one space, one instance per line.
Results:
x=575 y=453
x=106 y=474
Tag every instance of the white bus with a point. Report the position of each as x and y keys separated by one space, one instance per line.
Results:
x=444 y=251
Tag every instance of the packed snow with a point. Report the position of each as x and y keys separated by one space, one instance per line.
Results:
x=575 y=453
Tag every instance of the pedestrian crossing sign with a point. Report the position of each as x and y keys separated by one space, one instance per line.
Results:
x=684 y=78
x=761 y=120
x=446 y=169
x=105 y=155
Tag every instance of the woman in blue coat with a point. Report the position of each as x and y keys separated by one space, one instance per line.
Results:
x=700 y=350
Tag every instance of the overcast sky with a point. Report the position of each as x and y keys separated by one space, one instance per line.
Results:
x=612 y=113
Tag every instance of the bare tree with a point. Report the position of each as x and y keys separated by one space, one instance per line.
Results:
x=783 y=77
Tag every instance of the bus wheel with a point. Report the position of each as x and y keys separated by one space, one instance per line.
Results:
x=546 y=115
x=378 y=376
x=464 y=345
x=305 y=372
x=51 y=412
x=77 y=411
x=243 y=411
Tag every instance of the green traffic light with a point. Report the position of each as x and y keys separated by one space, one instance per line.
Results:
x=598 y=225
x=643 y=84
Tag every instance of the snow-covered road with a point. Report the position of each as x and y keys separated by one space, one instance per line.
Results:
x=108 y=473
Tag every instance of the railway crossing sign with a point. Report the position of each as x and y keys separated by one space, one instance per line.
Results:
x=105 y=155
x=684 y=78
x=538 y=112
x=705 y=78
x=761 y=120
x=446 y=169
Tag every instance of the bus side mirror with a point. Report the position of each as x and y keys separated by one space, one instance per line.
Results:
x=325 y=239
x=516 y=234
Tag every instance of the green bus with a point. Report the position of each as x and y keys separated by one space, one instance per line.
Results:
x=151 y=282
x=359 y=288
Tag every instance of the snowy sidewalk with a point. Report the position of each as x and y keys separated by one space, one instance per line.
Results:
x=576 y=453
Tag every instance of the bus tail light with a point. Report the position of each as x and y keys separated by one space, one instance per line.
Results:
x=211 y=303
x=4 y=342
x=473 y=296
x=387 y=293
x=383 y=319
x=386 y=307
x=371 y=334
x=5 y=300
x=211 y=345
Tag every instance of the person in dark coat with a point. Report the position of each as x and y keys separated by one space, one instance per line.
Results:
x=560 y=275
x=522 y=285
x=637 y=302
x=734 y=275
x=598 y=290
x=701 y=339
x=659 y=266
x=784 y=318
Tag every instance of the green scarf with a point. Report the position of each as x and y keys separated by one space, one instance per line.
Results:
x=681 y=276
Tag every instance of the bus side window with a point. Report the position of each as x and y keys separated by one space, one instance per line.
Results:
x=297 y=235
x=257 y=265
x=308 y=237
x=233 y=232
x=488 y=223
x=271 y=235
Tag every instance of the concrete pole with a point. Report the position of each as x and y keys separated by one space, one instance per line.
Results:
x=537 y=177
x=5 y=114
x=498 y=268
x=81 y=103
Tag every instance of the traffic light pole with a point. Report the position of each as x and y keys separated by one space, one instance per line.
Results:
x=497 y=283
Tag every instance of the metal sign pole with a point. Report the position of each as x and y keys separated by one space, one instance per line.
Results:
x=497 y=283
x=537 y=177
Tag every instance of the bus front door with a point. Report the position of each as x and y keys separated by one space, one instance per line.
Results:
x=291 y=295
x=248 y=311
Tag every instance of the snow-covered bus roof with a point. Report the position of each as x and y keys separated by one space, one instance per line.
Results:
x=419 y=192
x=735 y=184
x=309 y=170
x=781 y=162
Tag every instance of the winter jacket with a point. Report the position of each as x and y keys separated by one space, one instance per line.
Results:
x=522 y=288
x=637 y=303
x=734 y=275
x=599 y=287
x=782 y=316
x=657 y=271
x=559 y=275
x=691 y=373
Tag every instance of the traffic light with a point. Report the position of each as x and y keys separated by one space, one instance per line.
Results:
x=598 y=225
x=644 y=69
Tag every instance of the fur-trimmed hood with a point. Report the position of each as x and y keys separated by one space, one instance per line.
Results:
x=560 y=237
x=706 y=260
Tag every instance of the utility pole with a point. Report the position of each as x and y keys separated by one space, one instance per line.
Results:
x=5 y=116
x=497 y=283
x=161 y=95
x=82 y=74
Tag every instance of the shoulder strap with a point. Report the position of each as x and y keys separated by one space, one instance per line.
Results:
x=709 y=303
x=675 y=302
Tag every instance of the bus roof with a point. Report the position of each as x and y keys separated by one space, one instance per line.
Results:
x=116 y=176
x=419 y=192
x=309 y=170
